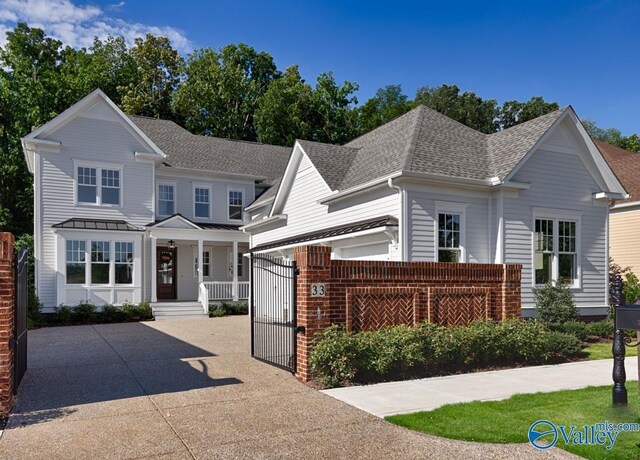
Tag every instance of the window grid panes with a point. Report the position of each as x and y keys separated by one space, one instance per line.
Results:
x=206 y=264
x=76 y=262
x=87 y=187
x=449 y=237
x=202 y=201
x=110 y=186
x=124 y=262
x=567 y=269
x=100 y=261
x=235 y=204
x=165 y=200
x=543 y=250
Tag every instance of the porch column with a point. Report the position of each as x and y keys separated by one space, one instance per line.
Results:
x=234 y=259
x=154 y=269
x=200 y=264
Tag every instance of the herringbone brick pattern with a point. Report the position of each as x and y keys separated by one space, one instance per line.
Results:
x=373 y=311
x=458 y=306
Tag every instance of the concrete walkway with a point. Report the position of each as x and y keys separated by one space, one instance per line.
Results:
x=189 y=389
x=427 y=394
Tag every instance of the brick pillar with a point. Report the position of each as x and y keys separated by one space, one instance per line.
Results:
x=511 y=291
x=314 y=265
x=7 y=312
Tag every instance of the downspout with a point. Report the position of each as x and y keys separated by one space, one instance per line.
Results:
x=402 y=241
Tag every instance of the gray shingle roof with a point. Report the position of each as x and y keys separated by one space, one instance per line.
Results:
x=190 y=151
x=330 y=160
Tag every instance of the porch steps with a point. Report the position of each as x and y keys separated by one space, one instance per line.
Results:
x=177 y=310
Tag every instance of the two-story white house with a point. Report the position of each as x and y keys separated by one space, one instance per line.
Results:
x=424 y=187
x=135 y=208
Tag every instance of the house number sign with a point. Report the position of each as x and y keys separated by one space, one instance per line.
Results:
x=317 y=290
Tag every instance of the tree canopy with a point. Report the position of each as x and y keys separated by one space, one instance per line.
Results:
x=234 y=92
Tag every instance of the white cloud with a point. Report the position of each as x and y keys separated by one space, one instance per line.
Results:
x=77 y=25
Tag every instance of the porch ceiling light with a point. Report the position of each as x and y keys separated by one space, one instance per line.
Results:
x=172 y=244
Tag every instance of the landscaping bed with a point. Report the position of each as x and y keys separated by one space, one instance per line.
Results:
x=87 y=313
x=508 y=421
x=239 y=307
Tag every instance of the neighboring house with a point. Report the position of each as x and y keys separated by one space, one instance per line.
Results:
x=624 y=215
x=135 y=208
x=424 y=187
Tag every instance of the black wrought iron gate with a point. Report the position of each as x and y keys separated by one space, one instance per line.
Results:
x=20 y=325
x=273 y=311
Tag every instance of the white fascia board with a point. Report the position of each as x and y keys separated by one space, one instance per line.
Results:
x=171 y=171
x=610 y=196
x=387 y=229
x=287 y=179
x=632 y=204
x=514 y=185
x=180 y=234
x=31 y=146
x=267 y=220
x=334 y=197
x=258 y=205
x=162 y=224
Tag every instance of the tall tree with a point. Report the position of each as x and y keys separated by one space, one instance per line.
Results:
x=158 y=67
x=612 y=136
x=222 y=90
x=515 y=112
x=467 y=108
x=285 y=111
x=334 y=119
x=388 y=103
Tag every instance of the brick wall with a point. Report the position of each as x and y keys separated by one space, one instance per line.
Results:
x=6 y=322
x=368 y=295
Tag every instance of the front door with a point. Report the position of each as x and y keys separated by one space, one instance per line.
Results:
x=167 y=262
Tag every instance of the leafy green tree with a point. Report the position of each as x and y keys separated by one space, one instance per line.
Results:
x=285 y=111
x=334 y=119
x=388 y=103
x=158 y=71
x=222 y=90
x=515 y=112
x=467 y=108
x=612 y=136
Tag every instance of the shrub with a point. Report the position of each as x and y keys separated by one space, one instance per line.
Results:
x=111 y=314
x=562 y=345
x=555 y=303
x=84 y=312
x=602 y=329
x=216 y=311
x=139 y=311
x=63 y=314
x=395 y=349
x=576 y=328
x=521 y=341
x=238 y=307
x=336 y=356
x=631 y=288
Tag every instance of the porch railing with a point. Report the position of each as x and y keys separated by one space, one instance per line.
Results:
x=223 y=290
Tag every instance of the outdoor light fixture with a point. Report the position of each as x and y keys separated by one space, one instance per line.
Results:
x=172 y=244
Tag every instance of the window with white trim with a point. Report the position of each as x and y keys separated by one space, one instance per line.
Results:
x=106 y=191
x=124 y=262
x=76 y=264
x=100 y=262
x=166 y=199
x=236 y=203
x=240 y=264
x=206 y=264
x=555 y=248
x=449 y=237
x=202 y=202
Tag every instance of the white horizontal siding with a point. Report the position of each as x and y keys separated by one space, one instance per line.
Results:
x=305 y=214
x=422 y=238
x=87 y=140
x=559 y=181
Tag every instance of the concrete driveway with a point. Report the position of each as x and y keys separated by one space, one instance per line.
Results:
x=189 y=389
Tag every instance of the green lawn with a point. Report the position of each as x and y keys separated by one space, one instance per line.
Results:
x=602 y=350
x=508 y=421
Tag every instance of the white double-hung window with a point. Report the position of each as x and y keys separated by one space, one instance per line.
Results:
x=100 y=185
x=202 y=202
x=556 y=248
x=166 y=199
x=450 y=232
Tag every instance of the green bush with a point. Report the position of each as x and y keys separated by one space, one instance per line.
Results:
x=239 y=307
x=84 y=312
x=631 y=288
x=601 y=329
x=63 y=314
x=139 y=311
x=578 y=329
x=562 y=345
x=555 y=303
x=339 y=356
x=216 y=311
x=111 y=314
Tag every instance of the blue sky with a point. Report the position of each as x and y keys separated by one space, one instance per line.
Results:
x=582 y=53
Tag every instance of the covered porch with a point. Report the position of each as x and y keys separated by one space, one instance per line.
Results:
x=198 y=265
